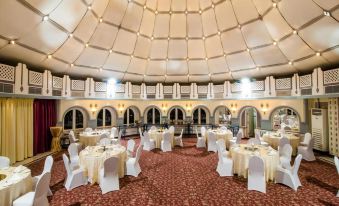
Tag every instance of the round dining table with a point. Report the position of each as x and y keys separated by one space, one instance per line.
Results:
x=92 y=160
x=157 y=136
x=14 y=182
x=221 y=134
x=241 y=154
x=273 y=140
x=89 y=139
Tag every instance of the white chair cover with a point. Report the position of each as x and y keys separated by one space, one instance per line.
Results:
x=282 y=142
x=108 y=175
x=132 y=164
x=47 y=168
x=130 y=147
x=178 y=139
x=254 y=141
x=74 y=155
x=166 y=142
x=203 y=131
x=4 y=162
x=141 y=137
x=237 y=139
x=149 y=144
x=75 y=178
x=105 y=142
x=88 y=129
x=118 y=141
x=171 y=129
x=306 y=148
x=225 y=164
x=256 y=174
x=336 y=162
x=212 y=142
x=74 y=140
x=114 y=132
x=104 y=135
x=201 y=143
x=286 y=156
x=289 y=177
x=39 y=196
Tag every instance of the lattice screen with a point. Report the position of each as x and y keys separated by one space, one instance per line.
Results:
x=150 y=89
x=218 y=88
x=35 y=78
x=283 y=84
x=185 y=89
x=136 y=89
x=57 y=82
x=202 y=89
x=236 y=87
x=331 y=76
x=78 y=85
x=7 y=73
x=120 y=88
x=305 y=81
x=333 y=124
x=100 y=86
x=168 y=89
x=258 y=86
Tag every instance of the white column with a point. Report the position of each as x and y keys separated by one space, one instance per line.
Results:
x=178 y=91
x=66 y=86
x=229 y=91
x=210 y=91
x=89 y=88
x=225 y=90
x=21 y=79
x=295 y=85
x=318 y=82
x=161 y=91
x=47 y=83
x=192 y=91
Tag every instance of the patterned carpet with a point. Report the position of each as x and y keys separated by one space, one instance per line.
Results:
x=187 y=176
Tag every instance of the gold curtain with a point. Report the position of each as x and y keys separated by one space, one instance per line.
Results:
x=16 y=128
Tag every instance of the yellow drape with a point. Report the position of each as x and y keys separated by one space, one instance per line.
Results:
x=16 y=128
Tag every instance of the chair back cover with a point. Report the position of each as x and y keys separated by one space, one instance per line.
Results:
x=182 y=131
x=257 y=133
x=240 y=133
x=42 y=186
x=307 y=138
x=88 y=129
x=48 y=164
x=153 y=128
x=287 y=151
x=171 y=129
x=221 y=148
x=4 y=162
x=111 y=166
x=336 y=162
x=310 y=144
x=73 y=150
x=203 y=131
x=223 y=128
x=166 y=137
x=146 y=136
x=212 y=137
x=130 y=145
x=66 y=163
x=296 y=164
x=120 y=134
x=256 y=166
x=71 y=137
x=104 y=142
x=138 y=154
x=114 y=132
x=283 y=141
x=254 y=141
x=104 y=135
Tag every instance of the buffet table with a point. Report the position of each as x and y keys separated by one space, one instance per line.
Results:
x=14 y=182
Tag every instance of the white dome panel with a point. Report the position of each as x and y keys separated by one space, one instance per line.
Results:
x=133 y=77
x=269 y=55
x=178 y=25
x=137 y=66
x=156 y=68
x=132 y=18
x=99 y=6
x=164 y=5
x=332 y=55
x=142 y=2
x=199 y=78
x=159 y=49
x=194 y=25
x=147 y=24
x=178 y=5
x=154 y=79
x=117 y=62
x=244 y=10
x=217 y=65
x=233 y=41
x=68 y=14
x=256 y=34
x=240 y=61
x=262 y=5
x=92 y=57
x=70 y=50
x=152 y=4
x=19 y=53
x=193 y=5
x=107 y=74
x=196 y=49
x=327 y=4
x=177 y=49
x=220 y=77
x=198 y=67
x=161 y=26
x=120 y=44
x=209 y=23
x=276 y=25
x=59 y=66
x=176 y=67
x=278 y=70
x=205 y=4
x=44 y=6
x=213 y=46
x=104 y=36
x=310 y=63
x=115 y=11
x=225 y=16
x=142 y=47
x=86 y=27
x=176 y=79
x=294 y=48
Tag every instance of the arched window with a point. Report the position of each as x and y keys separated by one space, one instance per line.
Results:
x=199 y=116
x=129 y=116
x=153 y=116
x=222 y=116
x=176 y=116
x=287 y=117
x=74 y=119
x=104 y=118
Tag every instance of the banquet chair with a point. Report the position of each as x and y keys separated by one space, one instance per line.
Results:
x=153 y=128
x=74 y=140
x=237 y=139
x=336 y=162
x=113 y=132
x=286 y=156
x=108 y=175
x=306 y=148
x=225 y=164
x=73 y=155
x=171 y=129
x=178 y=139
x=118 y=141
x=39 y=196
x=259 y=138
x=104 y=142
x=132 y=164
x=88 y=129
x=141 y=137
x=4 y=162
x=212 y=142
x=75 y=177
x=47 y=168
x=203 y=132
x=254 y=141
x=289 y=177
x=130 y=147
x=282 y=142
x=104 y=135
x=256 y=174
x=149 y=144
x=166 y=142
x=200 y=140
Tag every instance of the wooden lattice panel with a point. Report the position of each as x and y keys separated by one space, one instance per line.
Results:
x=218 y=88
x=185 y=89
x=78 y=85
x=236 y=87
x=333 y=125
x=168 y=89
x=258 y=86
x=120 y=88
x=150 y=89
x=7 y=73
x=305 y=81
x=136 y=89
x=283 y=84
x=35 y=78
x=100 y=86
x=331 y=77
x=202 y=89
x=57 y=82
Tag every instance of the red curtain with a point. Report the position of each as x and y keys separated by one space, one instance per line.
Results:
x=45 y=115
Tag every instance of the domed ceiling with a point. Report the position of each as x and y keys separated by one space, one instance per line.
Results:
x=171 y=40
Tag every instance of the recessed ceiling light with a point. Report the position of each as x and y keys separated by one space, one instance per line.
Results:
x=138 y=34
x=166 y=59
x=274 y=43
x=224 y=55
x=187 y=38
x=156 y=12
x=274 y=5
x=144 y=75
x=239 y=25
x=188 y=75
x=318 y=53
x=148 y=59
x=12 y=42
x=206 y=58
x=219 y=33
x=168 y=38
x=132 y=56
x=212 y=5
x=145 y=7
x=290 y=63
x=45 y=18
x=209 y=74
x=89 y=7
x=327 y=13
x=71 y=65
x=100 y=69
x=49 y=56
x=110 y=51
x=86 y=45
x=295 y=32
x=203 y=38
x=70 y=35
x=165 y=75
x=248 y=49
x=186 y=12
x=152 y=38
x=170 y=12
x=200 y=11
x=187 y=59
x=100 y=20
x=258 y=68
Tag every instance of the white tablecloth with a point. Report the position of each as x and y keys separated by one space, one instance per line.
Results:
x=14 y=182
x=273 y=140
x=92 y=160
x=241 y=156
x=89 y=139
x=157 y=136
x=226 y=135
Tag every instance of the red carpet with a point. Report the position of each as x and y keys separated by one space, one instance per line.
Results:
x=187 y=176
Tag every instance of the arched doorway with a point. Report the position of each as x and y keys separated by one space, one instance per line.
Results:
x=176 y=115
x=286 y=116
x=222 y=116
x=249 y=120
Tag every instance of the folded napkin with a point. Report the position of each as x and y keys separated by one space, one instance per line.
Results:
x=19 y=168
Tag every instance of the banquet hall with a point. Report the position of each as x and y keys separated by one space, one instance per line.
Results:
x=169 y=102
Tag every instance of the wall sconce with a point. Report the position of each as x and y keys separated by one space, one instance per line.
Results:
x=188 y=107
x=93 y=108
x=164 y=107
x=264 y=108
x=121 y=108
x=234 y=107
